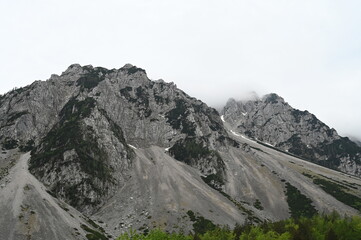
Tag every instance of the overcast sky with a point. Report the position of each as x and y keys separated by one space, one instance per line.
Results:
x=307 y=51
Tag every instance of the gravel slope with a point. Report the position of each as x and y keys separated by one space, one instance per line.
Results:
x=29 y=212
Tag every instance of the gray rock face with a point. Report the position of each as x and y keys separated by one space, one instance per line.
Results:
x=134 y=153
x=273 y=121
x=30 y=212
x=85 y=122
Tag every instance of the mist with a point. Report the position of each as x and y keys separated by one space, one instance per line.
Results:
x=308 y=52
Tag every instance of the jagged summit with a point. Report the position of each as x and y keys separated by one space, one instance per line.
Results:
x=272 y=98
x=275 y=122
x=73 y=67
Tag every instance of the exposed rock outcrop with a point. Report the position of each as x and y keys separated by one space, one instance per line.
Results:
x=273 y=121
x=82 y=123
x=132 y=153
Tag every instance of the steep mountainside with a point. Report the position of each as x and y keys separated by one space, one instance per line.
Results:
x=273 y=121
x=28 y=211
x=85 y=121
x=129 y=152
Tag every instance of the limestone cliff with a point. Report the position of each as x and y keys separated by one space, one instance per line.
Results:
x=273 y=121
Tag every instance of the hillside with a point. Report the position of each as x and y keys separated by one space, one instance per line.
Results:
x=129 y=152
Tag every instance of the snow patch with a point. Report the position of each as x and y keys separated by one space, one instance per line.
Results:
x=132 y=146
x=244 y=113
x=248 y=139
x=240 y=135
x=222 y=118
x=236 y=134
x=167 y=149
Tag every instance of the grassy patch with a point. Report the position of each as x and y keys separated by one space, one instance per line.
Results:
x=93 y=234
x=191 y=149
x=177 y=117
x=299 y=204
x=10 y=143
x=339 y=192
x=214 y=180
x=200 y=224
x=251 y=218
x=330 y=227
x=257 y=204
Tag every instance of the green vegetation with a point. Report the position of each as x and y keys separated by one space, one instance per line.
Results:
x=299 y=204
x=191 y=151
x=257 y=204
x=272 y=98
x=140 y=97
x=10 y=143
x=118 y=133
x=28 y=146
x=126 y=92
x=335 y=150
x=188 y=149
x=91 y=79
x=339 y=148
x=299 y=148
x=213 y=116
x=297 y=114
x=339 y=192
x=161 y=100
x=72 y=134
x=200 y=224
x=135 y=69
x=156 y=234
x=75 y=110
x=331 y=227
x=13 y=116
x=17 y=91
x=177 y=118
x=214 y=180
x=93 y=234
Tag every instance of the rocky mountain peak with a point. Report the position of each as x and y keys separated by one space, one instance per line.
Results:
x=132 y=153
x=127 y=66
x=272 y=98
x=73 y=68
x=275 y=122
x=73 y=121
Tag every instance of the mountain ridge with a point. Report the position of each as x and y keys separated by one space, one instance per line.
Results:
x=129 y=152
x=271 y=120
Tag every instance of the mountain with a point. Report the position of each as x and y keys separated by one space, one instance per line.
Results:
x=356 y=140
x=96 y=152
x=273 y=121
